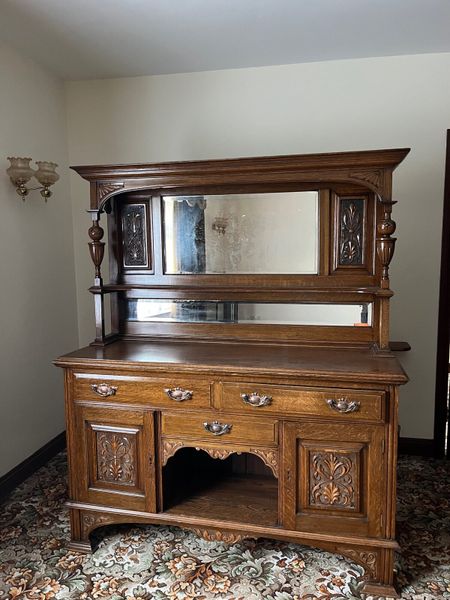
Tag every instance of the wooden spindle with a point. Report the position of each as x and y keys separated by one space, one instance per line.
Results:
x=96 y=247
x=385 y=243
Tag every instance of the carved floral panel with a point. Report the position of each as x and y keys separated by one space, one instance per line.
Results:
x=351 y=231
x=134 y=235
x=116 y=457
x=334 y=479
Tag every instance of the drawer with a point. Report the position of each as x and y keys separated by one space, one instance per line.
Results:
x=151 y=391
x=286 y=400
x=221 y=428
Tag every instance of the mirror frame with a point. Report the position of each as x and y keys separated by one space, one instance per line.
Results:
x=340 y=178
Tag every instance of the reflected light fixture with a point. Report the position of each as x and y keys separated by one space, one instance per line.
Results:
x=20 y=172
x=220 y=225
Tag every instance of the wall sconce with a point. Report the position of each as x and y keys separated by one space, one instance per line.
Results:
x=20 y=174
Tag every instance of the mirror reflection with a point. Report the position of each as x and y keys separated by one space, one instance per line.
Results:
x=193 y=311
x=241 y=233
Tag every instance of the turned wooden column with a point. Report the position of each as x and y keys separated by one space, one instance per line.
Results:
x=96 y=246
x=385 y=243
x=97 y=251
x=385 y=250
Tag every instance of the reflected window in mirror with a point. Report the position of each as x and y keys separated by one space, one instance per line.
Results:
x=241 y=233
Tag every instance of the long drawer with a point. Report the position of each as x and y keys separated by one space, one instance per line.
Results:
x=262 y=399
x=210 y=426
x=154 y=392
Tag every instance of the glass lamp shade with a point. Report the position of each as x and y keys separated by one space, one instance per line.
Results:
x=19 y=171
x=46 y=173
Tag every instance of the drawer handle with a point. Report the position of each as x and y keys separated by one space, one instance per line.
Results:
x=178 y=394
x=343 y=405
x=217 y=428
x=255 y=399
x=103 y=389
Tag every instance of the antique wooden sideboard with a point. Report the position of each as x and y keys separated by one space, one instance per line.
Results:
x=241 y=381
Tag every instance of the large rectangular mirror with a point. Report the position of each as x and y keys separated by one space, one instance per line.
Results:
x=209 y=311
x=241 y=233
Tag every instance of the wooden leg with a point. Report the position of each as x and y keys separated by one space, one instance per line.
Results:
x=378 y=565
x=79 y=535
x=381 y=583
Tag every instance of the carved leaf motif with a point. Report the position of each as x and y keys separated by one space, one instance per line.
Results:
x=269 y=457
x=213 y=535
x=134 y=234
x=351 y=232
x=374 y=178
x=92 y=520
x=364 y=557
x=217 y=452
x=332 y=477
x=104 y=189
x=169 y=447
x=115 y=458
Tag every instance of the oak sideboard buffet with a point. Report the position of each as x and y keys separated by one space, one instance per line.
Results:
x=241 y=381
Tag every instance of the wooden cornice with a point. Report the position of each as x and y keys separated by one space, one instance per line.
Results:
x=365 y=168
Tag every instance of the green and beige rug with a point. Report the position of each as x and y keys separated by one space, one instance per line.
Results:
x=167 y=563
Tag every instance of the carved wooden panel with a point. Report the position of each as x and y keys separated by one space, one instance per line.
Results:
x=353 y=222
x=134 y=235
x=333 y=479
x=116 y=449
x=335 y=475
x=116 y=456
x=351 y=231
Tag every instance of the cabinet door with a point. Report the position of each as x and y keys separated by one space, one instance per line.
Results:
x=113 y=456
x=334 y=478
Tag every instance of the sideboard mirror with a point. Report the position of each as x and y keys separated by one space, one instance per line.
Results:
x=264 y=249
x=241 y=233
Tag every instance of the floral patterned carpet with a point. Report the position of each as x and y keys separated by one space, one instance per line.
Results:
x=165 y=563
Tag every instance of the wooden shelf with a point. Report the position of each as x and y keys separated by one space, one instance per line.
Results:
x=250 y=499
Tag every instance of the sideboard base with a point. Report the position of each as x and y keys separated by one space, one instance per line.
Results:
x=375 y=556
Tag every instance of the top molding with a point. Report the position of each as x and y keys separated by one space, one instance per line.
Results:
x=371 y=169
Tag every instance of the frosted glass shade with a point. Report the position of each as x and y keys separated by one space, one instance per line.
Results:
x=20 y=171
x=46 y=173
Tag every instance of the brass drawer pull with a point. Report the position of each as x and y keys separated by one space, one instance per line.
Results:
x=178 y=394
x=104 y=390
x=343 y=405
x=217 y=428
x=255 y=399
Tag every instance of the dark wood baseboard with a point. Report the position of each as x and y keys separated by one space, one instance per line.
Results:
x=416 y=446
x=38 y=459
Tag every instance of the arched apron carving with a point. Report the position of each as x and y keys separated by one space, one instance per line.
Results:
x=269 y=456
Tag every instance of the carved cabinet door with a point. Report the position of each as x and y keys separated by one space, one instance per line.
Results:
x=114 y=454
x=334 y=478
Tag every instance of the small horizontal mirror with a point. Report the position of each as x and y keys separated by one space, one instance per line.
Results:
x=193 y=311
x=241 y=233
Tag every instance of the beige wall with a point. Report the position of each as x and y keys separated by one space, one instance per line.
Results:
x=37 y=300
x=316 y=107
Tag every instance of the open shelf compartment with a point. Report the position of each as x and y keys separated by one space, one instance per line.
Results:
x=239 y=488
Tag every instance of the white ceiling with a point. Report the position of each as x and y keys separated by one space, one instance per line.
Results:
x=83 y=39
